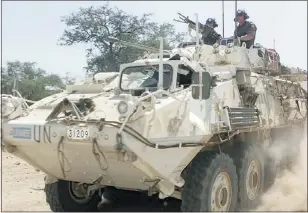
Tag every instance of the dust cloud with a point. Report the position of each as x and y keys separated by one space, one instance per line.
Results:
x=289 y=191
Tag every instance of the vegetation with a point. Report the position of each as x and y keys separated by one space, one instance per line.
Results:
x=94 y=25
x=32 y=82
x=91 y=26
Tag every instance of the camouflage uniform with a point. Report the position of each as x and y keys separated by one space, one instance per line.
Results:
x=245 y=29
x=209 y=35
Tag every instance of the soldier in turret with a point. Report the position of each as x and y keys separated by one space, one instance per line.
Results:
x=246 y=30
x=209 y=35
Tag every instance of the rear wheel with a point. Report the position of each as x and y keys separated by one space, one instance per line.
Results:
x=250 y=169
x=211 y=184
x=271 y=170
x=67 y=196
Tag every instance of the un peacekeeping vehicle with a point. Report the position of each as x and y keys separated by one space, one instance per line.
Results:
x=194 y=123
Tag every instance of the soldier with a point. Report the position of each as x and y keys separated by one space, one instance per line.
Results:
x=209 y=35
x=246 y=30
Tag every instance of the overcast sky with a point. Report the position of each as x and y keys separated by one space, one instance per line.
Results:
x=30 y=30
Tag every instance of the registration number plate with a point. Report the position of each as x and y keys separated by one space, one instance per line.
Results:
x=78 y=133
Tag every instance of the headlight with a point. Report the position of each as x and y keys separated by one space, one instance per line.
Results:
x=7 y=106
x=145 y=94
x=122 y=107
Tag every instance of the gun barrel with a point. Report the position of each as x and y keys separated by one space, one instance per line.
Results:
x=185 y=19
x=181 y=21
x=181 y=15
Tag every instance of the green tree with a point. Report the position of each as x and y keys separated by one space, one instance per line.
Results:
x=30 y=81
x=94 y=25
x=67 y=79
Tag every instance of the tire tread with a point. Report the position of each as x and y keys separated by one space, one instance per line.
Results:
x=198 y=172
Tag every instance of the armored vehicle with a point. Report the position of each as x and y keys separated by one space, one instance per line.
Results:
x=195 y=126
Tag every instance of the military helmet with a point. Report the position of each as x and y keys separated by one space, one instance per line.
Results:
x=241 y=13
x=211 y=21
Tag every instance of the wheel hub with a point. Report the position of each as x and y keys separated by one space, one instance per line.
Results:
x=221 y=193
x=253 y=179
x=79 y=192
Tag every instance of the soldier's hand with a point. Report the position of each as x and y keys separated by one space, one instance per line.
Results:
x=236 y=41
x=237 y=38
x=242 y=38
x=191 y=25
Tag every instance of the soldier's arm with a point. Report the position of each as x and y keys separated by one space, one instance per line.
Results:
x=217 y=36
x=250 y=34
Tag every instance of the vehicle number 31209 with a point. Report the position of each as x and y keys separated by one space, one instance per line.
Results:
x=78 y=133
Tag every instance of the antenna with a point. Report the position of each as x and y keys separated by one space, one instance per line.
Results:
x=274 y=43
x=223 y=18
x=197 y=30
x=235 y=7
x=161 y=68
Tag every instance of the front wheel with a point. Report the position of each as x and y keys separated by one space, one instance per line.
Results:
x=211 y=184
x=67 y=196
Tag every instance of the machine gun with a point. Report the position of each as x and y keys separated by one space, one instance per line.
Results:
x=186 y=20
x=206 y=31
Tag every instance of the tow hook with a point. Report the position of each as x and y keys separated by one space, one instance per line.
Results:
x=92 y=188
x=152 y=189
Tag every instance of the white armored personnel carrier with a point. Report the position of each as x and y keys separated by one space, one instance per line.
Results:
x=195 y=125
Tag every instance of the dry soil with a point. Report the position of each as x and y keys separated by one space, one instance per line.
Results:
x=22 y=186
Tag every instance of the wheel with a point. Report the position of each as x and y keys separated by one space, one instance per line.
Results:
x=271 y=170
x=271 y=165
x=67 y=196
x=250 y=169
x=211 y=184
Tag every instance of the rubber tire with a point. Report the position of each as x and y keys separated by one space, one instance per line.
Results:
x=248 y=153
x=59 y=199
x=271 y=170
x=201 y=175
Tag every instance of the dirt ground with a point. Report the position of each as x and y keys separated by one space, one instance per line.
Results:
x=22 y=186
